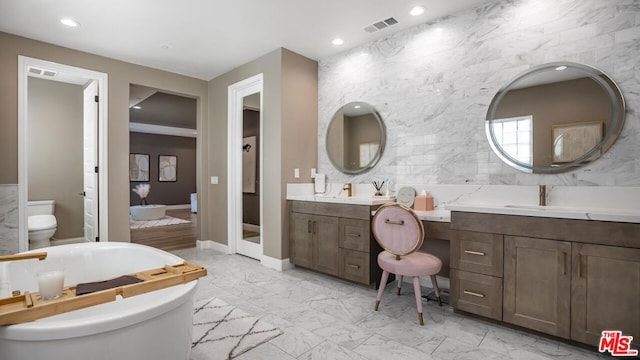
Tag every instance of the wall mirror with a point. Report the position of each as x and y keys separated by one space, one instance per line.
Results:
x=555 y=117
x=355 y=138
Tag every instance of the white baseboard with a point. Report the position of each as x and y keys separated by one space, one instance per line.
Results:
x=276 y=264
x=55 y=242
x=178 y=207
x=210 y=244
x=251 y=227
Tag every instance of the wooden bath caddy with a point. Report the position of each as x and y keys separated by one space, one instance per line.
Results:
x=30 y=306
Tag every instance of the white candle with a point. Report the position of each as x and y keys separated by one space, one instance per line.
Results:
x=50 y=284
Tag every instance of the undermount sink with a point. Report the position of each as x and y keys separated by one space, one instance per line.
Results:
x=539 y=207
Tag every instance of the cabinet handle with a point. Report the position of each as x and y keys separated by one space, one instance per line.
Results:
x=579 y=265
x=353 y=266
x=354 y=235
x=394 y=222
x=473 y=293
x=564 y=263
x=309 y=226
x=315 y=227
x=471 y=252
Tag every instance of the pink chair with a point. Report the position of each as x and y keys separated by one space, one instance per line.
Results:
x=400 y=233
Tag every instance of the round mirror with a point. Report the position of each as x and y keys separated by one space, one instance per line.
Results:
x=355 y=138
x=554 y=117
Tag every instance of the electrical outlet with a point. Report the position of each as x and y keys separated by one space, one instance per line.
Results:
x=313 y=172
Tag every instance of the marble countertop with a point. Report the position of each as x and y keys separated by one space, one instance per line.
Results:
x=563 y=212
x=353 y=200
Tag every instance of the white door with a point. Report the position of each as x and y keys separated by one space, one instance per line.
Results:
x=90 y=161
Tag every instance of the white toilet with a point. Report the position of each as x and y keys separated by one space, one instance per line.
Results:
x=41 y=222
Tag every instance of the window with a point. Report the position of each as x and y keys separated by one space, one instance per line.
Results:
x=515 y=136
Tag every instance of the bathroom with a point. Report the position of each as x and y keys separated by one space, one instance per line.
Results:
x=432 y=84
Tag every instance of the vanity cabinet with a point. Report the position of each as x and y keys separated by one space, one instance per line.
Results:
x=568 y=278
x=334 y=239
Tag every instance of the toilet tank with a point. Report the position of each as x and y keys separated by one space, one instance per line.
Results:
x=42 y=207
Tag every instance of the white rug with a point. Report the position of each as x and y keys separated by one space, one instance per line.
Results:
x=221 y=331
x=167 y=220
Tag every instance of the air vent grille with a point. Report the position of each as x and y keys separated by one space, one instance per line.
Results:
x=379 y=25
x=42 y=72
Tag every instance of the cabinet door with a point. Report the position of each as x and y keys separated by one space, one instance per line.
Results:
x=605 y=292
x=326 y=254
x=301 y=239
x=537 y=284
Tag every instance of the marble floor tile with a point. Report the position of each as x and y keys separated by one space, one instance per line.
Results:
x=323 y=317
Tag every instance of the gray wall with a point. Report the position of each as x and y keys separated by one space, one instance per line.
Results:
x=166 y=193
x=55 y=151
x=433 y=83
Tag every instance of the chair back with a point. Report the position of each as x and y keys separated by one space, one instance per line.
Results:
x=397 y=229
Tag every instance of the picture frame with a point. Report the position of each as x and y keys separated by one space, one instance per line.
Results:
x=167 y=168
x=138 y=167
x=571 y=141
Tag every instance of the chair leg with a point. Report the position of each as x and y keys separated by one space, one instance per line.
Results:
x=416 y=290
x=435 y=287
x=399 y=283
x=383 y=282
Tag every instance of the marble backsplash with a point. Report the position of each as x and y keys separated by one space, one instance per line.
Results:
x=432 y=85
x=8 y=219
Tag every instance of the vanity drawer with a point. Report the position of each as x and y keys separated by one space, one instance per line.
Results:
x=355 y=266
x=477 y=252
x=354 y=234
x=476 y=293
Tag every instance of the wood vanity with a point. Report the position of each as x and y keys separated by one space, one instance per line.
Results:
x=565 y=277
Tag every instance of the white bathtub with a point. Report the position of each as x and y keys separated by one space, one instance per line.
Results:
x=155 y=325
x=148 y=212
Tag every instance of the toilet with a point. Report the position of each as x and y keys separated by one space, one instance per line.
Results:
x=41 y=223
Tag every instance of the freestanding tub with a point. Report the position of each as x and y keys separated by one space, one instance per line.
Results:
x=148 y=212
x=155 y=325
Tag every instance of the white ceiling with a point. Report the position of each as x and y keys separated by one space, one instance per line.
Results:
x=206 y=38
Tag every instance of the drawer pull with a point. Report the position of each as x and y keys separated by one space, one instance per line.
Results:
x=473 y=293
x=354 y=235
x=471 y=252
x=353 y=266
x=394 y=222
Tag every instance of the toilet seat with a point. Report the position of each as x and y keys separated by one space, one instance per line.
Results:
x=41 y=222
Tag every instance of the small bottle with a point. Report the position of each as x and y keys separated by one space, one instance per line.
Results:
x=423 y=202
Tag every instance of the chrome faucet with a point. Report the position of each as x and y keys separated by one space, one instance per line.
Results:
x=542 y=194
x=349 y=189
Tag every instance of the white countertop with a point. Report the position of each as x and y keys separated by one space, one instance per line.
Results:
x=434 y=215
x=563 y=212
x=353 y=200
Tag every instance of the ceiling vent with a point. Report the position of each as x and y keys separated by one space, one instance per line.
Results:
x=42 y=72
x=379 y=25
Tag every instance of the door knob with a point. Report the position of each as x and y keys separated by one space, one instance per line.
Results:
x=83 y=193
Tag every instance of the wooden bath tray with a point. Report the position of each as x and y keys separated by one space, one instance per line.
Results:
x=30 y=306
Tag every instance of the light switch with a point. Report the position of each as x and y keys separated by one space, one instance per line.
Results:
x=214 y=180
x=313 y=172
x=296 y=173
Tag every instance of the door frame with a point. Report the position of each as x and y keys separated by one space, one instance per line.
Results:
x=236 y=93
x=24 y=63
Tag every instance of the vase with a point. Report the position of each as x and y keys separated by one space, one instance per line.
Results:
x=143 y=201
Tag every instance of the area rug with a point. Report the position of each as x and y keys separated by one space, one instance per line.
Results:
x=167 y=220
x=221 y=331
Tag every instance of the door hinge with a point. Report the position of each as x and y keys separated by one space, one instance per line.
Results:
x=96 y=98
x=97 y=238
x=95 y=169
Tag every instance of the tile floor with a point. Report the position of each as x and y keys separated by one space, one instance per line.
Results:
x=325 y=318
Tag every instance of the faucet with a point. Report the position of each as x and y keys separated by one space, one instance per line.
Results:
x=542 y=194
x=349 y=189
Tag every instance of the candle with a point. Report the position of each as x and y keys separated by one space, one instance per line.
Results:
x=50 y=284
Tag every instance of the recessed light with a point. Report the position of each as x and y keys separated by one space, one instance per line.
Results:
x=137 y=107
x=337 y=41
x=560 y=68
x=70 y=22
x=357 y=107
x=417 y=10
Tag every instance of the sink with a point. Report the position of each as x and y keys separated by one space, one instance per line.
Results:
x=544 y=208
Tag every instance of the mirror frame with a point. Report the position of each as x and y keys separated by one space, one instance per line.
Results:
x=609 y=137
x=376 y=158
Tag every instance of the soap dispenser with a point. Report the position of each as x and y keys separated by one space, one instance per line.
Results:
x=423 y=202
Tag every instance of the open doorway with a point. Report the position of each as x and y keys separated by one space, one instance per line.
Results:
x=162 y=168
x=62 y=122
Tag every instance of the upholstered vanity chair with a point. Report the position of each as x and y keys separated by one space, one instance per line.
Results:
x=400 y=233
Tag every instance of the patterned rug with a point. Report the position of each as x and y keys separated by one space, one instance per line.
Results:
x=167 y=220
x=221 y=331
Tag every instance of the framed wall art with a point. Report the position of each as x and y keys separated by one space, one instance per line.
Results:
x=167 y=168
x=138 y=167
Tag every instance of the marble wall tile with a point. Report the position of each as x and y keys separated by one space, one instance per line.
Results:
x=8 y=219
x=432 y=85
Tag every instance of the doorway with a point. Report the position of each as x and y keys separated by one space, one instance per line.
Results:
x=89 y=197
x=244 y=185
